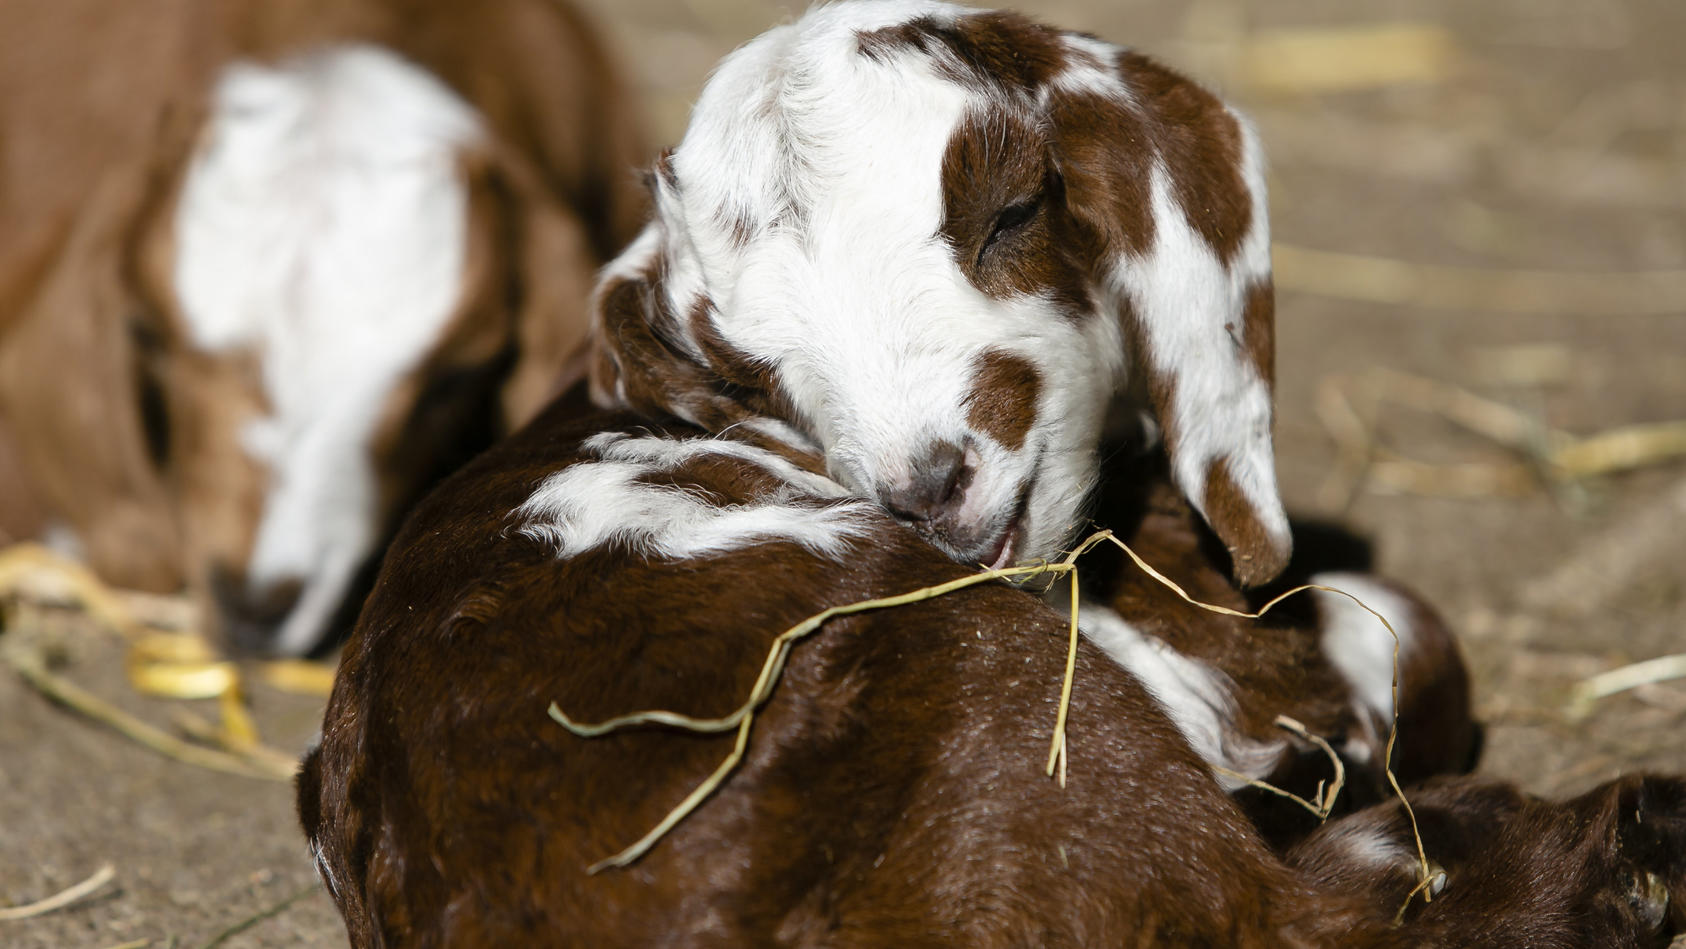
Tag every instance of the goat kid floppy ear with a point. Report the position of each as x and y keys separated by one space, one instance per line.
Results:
x=656 y=350
x=1166 y=187
x=73 y=392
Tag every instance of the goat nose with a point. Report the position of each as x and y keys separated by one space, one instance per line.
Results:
x=938 y=481
x=252 y=613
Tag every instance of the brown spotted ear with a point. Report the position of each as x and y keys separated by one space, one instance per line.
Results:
x=74 y=395
x=642 y=357
x=656 y=348
x=1166 y=185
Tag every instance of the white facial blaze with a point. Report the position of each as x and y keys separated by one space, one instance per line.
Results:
x=321 y=226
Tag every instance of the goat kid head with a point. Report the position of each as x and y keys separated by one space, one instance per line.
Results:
x=256 y=346
x=1511 y=869
x=939 y=249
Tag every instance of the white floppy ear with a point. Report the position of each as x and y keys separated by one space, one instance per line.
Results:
x=1166 y=186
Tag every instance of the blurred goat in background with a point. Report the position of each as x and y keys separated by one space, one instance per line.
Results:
x=271 y=270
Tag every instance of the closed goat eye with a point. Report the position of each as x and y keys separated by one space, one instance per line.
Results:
x=1010 y=221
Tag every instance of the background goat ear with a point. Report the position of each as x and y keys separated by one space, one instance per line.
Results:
x=71 y=391
x=531 y=257
x=1167 y=185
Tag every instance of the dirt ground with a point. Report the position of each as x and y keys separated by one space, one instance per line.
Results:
x=1550 y=136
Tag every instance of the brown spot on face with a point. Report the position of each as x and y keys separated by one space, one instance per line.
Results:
x=1002 y=403
x=1003 y=212
x=999 y=49
x=1258 y=329
x=1257 y=557
x=1105 y=153
x=1199 y=143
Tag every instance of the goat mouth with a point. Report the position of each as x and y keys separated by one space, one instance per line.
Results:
x=1005 y=550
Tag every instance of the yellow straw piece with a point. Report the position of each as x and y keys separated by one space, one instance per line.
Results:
x=743 y=716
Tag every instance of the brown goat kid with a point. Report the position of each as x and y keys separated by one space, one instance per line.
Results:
x=318 y=255
x=892 y=792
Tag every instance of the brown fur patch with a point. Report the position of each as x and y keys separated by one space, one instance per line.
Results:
x=1105 y=153
x=1149 y=385
x=1257 y=557
x=1258 y=329
x=733 y=365
x=1003 y=399
x=996 y=172
x=999 y=49
x=1200 y=144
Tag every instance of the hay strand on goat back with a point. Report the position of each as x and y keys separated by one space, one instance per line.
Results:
x=742 y=718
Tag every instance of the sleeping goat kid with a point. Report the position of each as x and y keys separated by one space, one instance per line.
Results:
x=892 y=793
x=358 y=250
x=929 y=251
x=941 y=248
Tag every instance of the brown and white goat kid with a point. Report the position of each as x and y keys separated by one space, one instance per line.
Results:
x=358 y=248
x=940 y=248
x=929 y=251
x=892 y=792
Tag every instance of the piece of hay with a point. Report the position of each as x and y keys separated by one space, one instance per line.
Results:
x=1327 y=792
x=261 y=915
x=298 y=676
x=167 y=664
x=743 y=717
x=1346 y=58
x=1588 y=691
x=1434 y=286
x=1529 y=365
x=34 y=670
x=1551 y=457
x=61 y=899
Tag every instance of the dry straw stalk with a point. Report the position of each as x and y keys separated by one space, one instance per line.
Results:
x=742 y=718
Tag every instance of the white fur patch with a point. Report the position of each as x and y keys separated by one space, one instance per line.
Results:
x=322 y=870
x=1357 y=644
x=321 y=226
x=597 y=503
x=1368 y=846
x=1196 y=696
